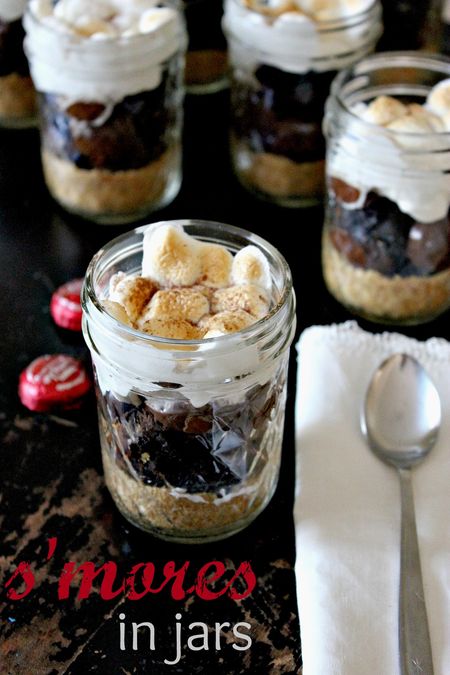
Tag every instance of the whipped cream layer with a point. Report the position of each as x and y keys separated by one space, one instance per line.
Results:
x=294 y=37
x=400 y=151
x=100 y=51
x=11 y=10
x=222 y=363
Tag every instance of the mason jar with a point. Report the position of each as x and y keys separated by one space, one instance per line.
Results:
x=17 y=95
x=206 y=58
x=191 y=430
x=282 y=66
x=110 y=109
x=386 y=253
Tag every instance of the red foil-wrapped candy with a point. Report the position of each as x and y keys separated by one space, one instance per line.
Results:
x=53 y=382
x=65 y=305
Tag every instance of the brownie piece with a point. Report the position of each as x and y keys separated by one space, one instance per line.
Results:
x=131 y=136
x=194 y=449
x=283 y=115
x=380 y=237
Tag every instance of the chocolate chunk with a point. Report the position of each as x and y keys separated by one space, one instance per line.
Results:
x=284 y=114
x=133 y=135
x=347 y=246
x=343 y=191
x=85 y=111
x=429 y=245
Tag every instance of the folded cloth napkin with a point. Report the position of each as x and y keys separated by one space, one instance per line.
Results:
x=347 y=509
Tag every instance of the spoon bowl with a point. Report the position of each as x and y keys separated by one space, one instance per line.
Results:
x=401 y=421
x=402 y=412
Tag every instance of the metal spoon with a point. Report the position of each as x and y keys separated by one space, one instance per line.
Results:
x=401 y=421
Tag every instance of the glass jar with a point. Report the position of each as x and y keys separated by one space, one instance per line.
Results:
x=386 y=252
x=282 y=68
x=206 y=59
x=111 y=114
x=191 y=431
x=17 y=95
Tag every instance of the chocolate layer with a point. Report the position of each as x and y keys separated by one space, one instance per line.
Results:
x=198 y=450
x=380 y=237
x=283 y=115
x=129 y=136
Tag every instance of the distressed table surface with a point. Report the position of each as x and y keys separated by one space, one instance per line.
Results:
x=51 y=482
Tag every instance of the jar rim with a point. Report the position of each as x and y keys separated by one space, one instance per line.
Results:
x=389 y=59
x=324 y=26
x=255 y=329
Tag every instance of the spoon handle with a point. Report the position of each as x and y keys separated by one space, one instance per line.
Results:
x=414 y=636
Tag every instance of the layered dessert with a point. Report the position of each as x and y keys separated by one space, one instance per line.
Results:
x=17 y=95
x=206 y=58
x=386 y=251
x=284 y=55
x=109 y=75
x=191 y=448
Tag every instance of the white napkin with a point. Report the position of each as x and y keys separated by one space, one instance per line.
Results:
x=347 y=509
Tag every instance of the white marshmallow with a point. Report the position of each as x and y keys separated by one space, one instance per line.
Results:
x=154 y=18
x=43 y=8
x=330 y=10
x=250 y=266
x=72 y=11
x=418 y=120
x=383 y=110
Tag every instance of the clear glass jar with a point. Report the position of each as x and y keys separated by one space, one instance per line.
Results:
x=17 y=95
x=191 y=431
x=386 y=251
x=111 y=116
x=282 y=68
x=206 y=58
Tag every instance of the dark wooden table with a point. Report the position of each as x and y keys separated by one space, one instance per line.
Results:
x=51 y=480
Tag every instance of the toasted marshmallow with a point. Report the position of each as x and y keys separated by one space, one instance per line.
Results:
x=89 y=26
x=383 y=110
x=207 y=291
x=133 y=293
x=117 y=312
x=250 y=266
x=43 y=8
x=216 y=264
x=173 y=329
x=225 y=322
x=250 y=298
x=438 y=101
x=179 y=303
x=170 y=256
x=271 y=7
x=418 y=120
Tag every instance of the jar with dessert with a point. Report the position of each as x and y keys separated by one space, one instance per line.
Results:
x=189 y=325
x=386 y=242
x=110 y=81
x=17 y=95
x=284 y=54
x=206 y=58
